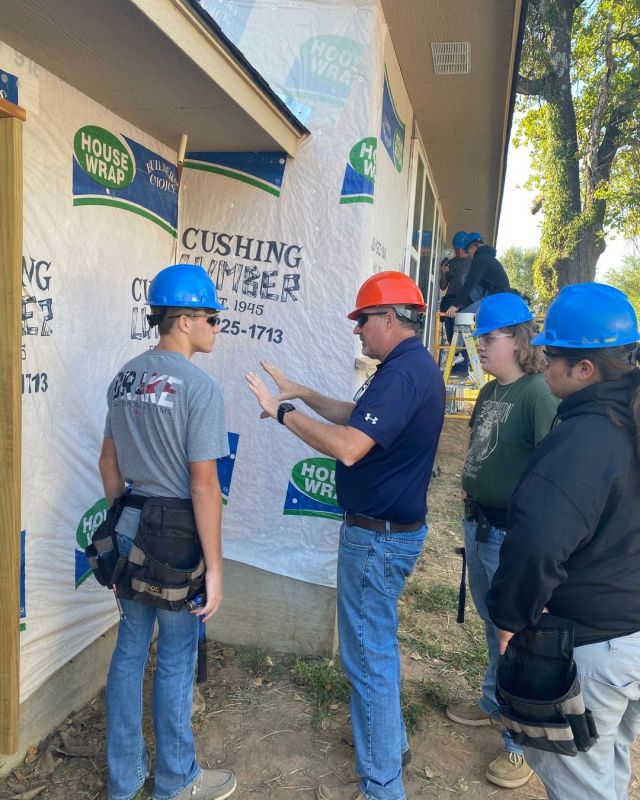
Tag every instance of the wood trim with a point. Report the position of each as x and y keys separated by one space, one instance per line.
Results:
x=10 y=425
x=180 y=24
x=506 y=122
x=8 y=109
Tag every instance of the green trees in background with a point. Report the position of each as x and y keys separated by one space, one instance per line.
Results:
x=518 y=263
x=579 y=94
x=627 y=279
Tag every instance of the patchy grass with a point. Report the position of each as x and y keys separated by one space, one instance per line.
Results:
x=259 y=661
x=413 y=710
x=325 y=682
x=438 y=598
x=438 y=694
x=431 y=649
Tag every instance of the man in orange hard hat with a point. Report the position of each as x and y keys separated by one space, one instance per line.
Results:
x=384 y=443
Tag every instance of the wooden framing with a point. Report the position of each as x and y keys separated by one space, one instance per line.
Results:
x=10 y=418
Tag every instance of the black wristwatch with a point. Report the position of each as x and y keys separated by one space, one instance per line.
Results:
x=282 y=410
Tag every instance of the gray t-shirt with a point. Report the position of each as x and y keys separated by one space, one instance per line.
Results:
x=164 y=413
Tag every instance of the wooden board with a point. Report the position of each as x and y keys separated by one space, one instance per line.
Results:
x=10 y=424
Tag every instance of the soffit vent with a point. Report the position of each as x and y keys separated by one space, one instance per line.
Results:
x=451 y=58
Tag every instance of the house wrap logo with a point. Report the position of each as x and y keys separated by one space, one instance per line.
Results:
x=113 y=170
x=360 y=172
x=89 y=522
x=325 y=69
x=312 y=489
x=104 y=157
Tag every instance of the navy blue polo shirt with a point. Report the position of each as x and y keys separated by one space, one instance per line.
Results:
x=402 y=409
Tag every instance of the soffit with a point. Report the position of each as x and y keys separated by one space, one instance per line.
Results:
x=463 y=119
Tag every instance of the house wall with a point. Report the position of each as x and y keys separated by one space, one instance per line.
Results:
x=288 y=242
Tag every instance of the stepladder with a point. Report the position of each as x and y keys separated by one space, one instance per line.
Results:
x=462 y=389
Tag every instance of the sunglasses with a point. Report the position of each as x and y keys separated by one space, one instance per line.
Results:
x=212 y=319
x=363 y=388
x=551 y=355
x=361 y=319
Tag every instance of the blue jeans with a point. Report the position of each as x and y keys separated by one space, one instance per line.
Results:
x=610 y=678
x=127 y=756
x=482 y=562
x=372 y=570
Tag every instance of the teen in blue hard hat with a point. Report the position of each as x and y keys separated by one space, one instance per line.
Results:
x=165 y=430
x=573 y=539
x=512 y=415
x=486 y=275
x=453 y=272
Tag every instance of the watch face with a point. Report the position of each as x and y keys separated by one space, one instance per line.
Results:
x=282 y=410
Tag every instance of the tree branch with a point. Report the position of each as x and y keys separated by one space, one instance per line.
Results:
x=531 y=87
x=592 y=162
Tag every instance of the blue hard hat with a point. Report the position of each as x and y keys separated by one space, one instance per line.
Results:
x=458 y=240
x=426 y=238
x=589 y=315
x=184 y=286
x=470 y=238
x=499 y=311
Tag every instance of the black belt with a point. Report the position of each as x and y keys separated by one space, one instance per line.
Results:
x=381 y=525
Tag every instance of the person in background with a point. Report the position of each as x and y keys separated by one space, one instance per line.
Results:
x=512 y=415
x=384 y=444
x=573 y=541
x=486 y=276
x=453 y=272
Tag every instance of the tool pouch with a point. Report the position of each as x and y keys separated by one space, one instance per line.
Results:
x=102 y=553
x=538 y=690
x=165 y=566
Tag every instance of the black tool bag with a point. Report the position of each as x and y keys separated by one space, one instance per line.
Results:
x=538 y=690
x=103 y=555
x=165 y=566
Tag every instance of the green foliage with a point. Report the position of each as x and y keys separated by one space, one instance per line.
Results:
x=518 y=263
x=579 y=102
x=413 y=711
x=260 y=661
x=627 y=279
x=325 y=682
x=439 y=597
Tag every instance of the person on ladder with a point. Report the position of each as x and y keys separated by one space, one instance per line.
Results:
x=453 y=273
x=512 y=415
x=486 y=276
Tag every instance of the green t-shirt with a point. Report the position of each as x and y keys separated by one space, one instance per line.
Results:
x=507 y=424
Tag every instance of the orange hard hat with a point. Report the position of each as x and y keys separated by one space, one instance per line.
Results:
x=389 y=288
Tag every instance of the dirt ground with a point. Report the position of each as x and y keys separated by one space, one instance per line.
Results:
x=276 y=720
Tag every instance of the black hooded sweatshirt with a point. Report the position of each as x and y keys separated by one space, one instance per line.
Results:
x=573 y=531
x=485 y=273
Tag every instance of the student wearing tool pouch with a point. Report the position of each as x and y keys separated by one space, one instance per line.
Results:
x=165 y=428
x=573 y=538
x=513 y=413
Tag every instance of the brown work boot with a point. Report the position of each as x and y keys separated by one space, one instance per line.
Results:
x=468 y=714
x=509 y=770
x=346 y=791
